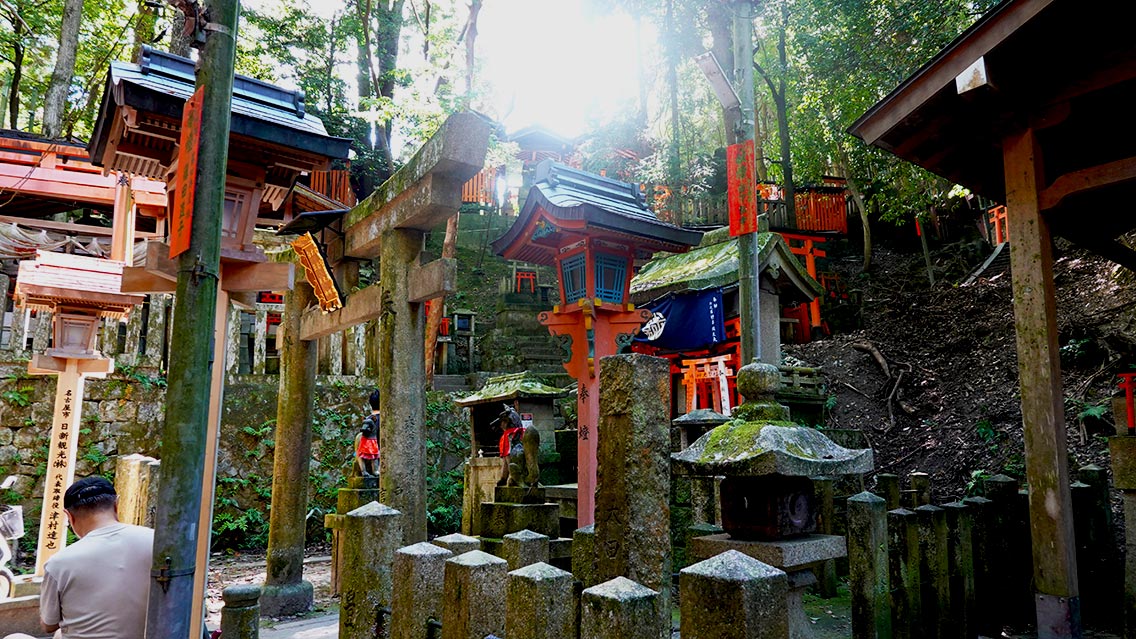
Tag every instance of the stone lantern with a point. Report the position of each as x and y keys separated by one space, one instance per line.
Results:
x=767 y=506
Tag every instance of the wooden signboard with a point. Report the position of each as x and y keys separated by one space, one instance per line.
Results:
x=741 y=188
x=181 y=218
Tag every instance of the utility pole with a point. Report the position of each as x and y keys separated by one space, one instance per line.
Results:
x=749 y=276
x=172 y=605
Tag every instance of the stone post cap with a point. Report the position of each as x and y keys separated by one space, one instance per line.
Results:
x=620 y=589
x=476 y=558
x=902 y=512
x=928 y=509
x=735 y=566
x=866 y=498
x=954 y=505
x=976 y=501
x=758 y=381
x=1000 y=479
x=241 y=596
x=424 y=549
x=526 y=535
x=457 y=538
x=374 y=509
x=540 y=571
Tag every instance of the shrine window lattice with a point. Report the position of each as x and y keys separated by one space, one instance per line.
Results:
x=572 y=272
x=611 y=270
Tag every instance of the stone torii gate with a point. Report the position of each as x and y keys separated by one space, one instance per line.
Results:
x=390 y=225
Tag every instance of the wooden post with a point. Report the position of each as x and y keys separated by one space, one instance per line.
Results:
x=1039 y=373
x=174 y=605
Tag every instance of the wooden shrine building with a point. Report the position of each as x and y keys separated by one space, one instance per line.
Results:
x=1046 y=129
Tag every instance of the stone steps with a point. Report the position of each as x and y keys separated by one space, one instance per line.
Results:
x=451 y=383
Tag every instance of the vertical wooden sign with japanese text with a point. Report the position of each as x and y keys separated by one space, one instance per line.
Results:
x=741 y=188
x=181 y=218
x=60 y=462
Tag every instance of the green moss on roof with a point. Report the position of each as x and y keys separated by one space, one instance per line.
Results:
x=712 y=265
x=506 y=387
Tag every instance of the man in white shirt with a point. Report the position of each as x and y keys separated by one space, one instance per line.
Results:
x=98 y=587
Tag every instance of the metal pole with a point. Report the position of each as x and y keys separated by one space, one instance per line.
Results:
x=176 y=527
x=749 y=277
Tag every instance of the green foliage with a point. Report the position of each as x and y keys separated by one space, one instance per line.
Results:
x=95 y=456
x=134 y=374
x=986 y=431
x=974 y=484
x=238 y=526
x=17 y=396
x=447 y=446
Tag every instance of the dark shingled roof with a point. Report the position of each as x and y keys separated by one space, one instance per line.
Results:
x=571 y=194
x=162 y=82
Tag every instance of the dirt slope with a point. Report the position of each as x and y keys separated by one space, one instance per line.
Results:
x=956 y=411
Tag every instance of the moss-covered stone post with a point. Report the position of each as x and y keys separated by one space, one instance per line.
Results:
x=1097 y=560
x=934 y=571
x=240 y=618
x=1011 y=567
x=416 y=597
x=621 y=609
x=960 y=545
x=985 y=599
x=285 y=590
x=868 y=567
x=825 y=493
x=920 y=489
x=370 y=535
x=584 y=555
x=474 y=596
x=542 y=603
x=903 y=573
x=525 y=547
x=887 y=486
x=733 y=596
x=1122 y=451
x=632 y=495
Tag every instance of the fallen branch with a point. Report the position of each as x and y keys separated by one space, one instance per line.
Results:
x=868 y=347
x=899 y=461
x=856 y=389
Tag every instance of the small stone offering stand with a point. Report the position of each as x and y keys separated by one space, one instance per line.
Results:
x=767 y=504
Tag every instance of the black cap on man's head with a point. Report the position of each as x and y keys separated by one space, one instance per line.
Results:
x=88 y=491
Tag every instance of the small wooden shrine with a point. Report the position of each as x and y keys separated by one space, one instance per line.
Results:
x=596 y=231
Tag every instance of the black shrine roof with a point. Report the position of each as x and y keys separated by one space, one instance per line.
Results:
x=162 y=82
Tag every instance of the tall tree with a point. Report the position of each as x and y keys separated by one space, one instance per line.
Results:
x=61 y=77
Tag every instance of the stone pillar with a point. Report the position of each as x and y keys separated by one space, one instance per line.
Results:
x=416 y=597
x=934 y=570
x=584 y=555
x=868 y=567
x=1011 y=565
x=474 y=596
x=985 y=596
x=240 y=618
x=370 y=535
x=541 y=603
x=1097 y=560
x=960 y=545
x=887 y=485
x=903 y=573
x=402 y=385
x=621 y=609
x=733 y=596
x=458 y=543
x=1122 y=451
x=632 y=520
x=920 y=489
x=285 y=590
x=522 y=548
x=825 y=492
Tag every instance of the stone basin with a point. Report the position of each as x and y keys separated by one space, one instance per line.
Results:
x=757 y=448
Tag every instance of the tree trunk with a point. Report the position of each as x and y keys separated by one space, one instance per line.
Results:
x=434 y=320
x=17 y=74
x=56 y=99
x=470 y=43
x=389 y=30
x=144 y=26
x=789 y=191
x=721 y=18
x=673 y=172
x=180 y=41
x=858 y=201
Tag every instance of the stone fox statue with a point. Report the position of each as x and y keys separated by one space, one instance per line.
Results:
x=520 y=447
